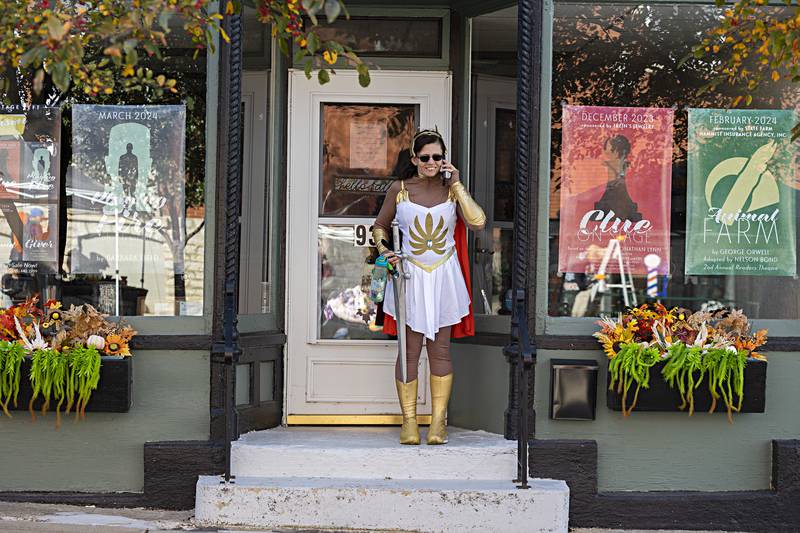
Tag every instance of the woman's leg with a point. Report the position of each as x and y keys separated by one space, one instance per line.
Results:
x=439 y=353
x=413 y=350
x=407 y=392
x=441 y=384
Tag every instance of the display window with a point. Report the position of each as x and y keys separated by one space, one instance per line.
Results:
x=103 y=201
x=659 y=190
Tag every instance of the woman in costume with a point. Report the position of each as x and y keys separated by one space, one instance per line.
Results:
x=431 y=212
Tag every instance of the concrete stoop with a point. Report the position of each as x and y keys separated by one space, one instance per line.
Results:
x=407 y=504
x=360 y=478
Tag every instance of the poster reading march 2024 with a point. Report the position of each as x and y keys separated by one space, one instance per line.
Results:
x=740 y=216
x=616 y=172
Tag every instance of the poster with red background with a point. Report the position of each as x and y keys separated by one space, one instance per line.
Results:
x=616 y=184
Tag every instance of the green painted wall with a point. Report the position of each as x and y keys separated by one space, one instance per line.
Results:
x=480 y=387
x=104 y=452
x=648 y=451
x=672 y=451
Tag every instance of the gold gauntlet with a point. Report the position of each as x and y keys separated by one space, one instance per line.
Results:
x=379 y=235
x=473 y=214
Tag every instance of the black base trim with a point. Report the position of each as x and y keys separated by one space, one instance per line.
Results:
x=110 y=500
x=171 y=469
x=171 y=342
x=575 y=461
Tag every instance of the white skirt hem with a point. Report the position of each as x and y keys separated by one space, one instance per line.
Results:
x=434 y=300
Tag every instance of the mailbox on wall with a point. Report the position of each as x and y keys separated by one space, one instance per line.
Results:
x=573 y=389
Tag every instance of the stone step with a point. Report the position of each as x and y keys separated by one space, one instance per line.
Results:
x=437 y=505
x=371 y=453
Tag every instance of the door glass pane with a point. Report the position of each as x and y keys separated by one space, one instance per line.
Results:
x=505 y=135
x=494 y=274
x=494 y=260
x=345 y=264
x=361 y=147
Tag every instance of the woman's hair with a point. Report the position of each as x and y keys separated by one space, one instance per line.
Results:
x=404 y=168
x=620 y=145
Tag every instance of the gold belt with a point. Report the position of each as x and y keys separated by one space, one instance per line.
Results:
x=433 y=266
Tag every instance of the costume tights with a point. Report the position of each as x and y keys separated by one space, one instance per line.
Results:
x=438 y=354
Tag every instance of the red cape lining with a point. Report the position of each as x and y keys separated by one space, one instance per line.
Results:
x=465 y=328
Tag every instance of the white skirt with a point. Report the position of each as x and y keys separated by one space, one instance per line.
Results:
x=434 y=300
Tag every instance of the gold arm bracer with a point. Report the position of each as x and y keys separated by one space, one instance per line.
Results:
x=379 y=235
x=473 y=214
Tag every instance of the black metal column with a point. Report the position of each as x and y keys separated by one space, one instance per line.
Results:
x=226 y=350
x=521 y=353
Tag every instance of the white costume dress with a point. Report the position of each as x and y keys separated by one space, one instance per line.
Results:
x=436 y=295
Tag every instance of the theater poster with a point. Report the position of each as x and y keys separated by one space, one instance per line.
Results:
x=742 y=178
x=616 y=174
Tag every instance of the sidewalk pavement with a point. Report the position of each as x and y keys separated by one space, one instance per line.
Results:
x=48 y=518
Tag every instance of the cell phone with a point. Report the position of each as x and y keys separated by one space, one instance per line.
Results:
x=445 y=174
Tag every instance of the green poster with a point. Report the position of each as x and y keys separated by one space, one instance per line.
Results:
x=740 y=214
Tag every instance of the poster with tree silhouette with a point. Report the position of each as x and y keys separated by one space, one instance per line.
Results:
x=742 y=175
x=616 y=186
x=127 y=202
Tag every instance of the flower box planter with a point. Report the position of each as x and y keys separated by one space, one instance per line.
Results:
x=661 y=398
x=113 y=394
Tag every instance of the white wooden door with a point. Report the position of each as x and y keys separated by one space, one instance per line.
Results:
x=344 y=142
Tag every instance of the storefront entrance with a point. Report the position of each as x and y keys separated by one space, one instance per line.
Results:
x=344 y=144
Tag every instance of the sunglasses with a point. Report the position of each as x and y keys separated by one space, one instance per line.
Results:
x=426 y=158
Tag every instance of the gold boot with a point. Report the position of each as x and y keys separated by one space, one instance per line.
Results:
x=440 y=396
x=407 y=392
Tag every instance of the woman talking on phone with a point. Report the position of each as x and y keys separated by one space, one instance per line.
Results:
x=432 y=207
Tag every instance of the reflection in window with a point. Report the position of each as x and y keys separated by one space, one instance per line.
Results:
x=361 y=148
x=628 y=55
x=387 y=37
x=505 y=168
x=345 y=266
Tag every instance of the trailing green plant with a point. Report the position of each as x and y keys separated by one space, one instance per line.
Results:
x=725 y=368
x=11 y=357
x=684 y=369
x=84 y=375
x=631 y=365
x=48 y=375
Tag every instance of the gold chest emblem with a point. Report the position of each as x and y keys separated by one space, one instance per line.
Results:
x=428 y=238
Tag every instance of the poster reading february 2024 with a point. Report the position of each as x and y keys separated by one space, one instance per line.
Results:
x=741 y=201
x=616 y=172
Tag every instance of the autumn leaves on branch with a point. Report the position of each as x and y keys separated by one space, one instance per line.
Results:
x=103 y=46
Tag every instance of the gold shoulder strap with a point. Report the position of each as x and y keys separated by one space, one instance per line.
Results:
x=402 y=196
x=451 y=196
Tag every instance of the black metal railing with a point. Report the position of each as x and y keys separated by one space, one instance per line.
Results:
x=521 y=352
x=233 y=195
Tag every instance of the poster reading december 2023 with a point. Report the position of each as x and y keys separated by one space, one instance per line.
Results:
x=616 y=176
x=741 y=203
